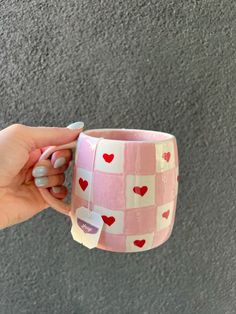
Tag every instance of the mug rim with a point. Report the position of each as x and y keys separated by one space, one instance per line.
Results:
x=169 y=136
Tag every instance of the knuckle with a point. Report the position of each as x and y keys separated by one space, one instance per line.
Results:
x=59 y=178
x=16 y=130
x=17 y=127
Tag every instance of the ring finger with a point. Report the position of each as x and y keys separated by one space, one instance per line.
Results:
x=50 y=181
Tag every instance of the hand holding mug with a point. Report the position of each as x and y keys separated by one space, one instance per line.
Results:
x=21 y=147
x=129 y=178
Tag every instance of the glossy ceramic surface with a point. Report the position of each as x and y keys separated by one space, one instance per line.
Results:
x=130 y=177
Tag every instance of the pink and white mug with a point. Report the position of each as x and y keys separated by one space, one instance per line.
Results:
x=128 y=177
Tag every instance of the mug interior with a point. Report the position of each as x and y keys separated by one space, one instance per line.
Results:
x=129 y=135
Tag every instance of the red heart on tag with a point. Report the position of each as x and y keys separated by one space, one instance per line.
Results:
x=166 y=214
x=83 y=184
x=139 y=243
x=166 y=156
x=108 y=158
x=108 y=220
x=141 y=190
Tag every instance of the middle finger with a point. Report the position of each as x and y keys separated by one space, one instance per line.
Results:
x=45 y=168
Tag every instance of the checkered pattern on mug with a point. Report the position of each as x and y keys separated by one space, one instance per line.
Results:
x=134 y=188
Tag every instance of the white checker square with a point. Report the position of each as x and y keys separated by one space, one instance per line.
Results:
x=113 y=219
x=137 y=243
x=140 y=191
x=164 y=215
x=110 y=156
x=165 y=156
x=83 y=183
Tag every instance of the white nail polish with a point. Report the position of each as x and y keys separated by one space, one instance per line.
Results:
x=59 y=162
x=56 y=189
x=40 y=182
x=39 y=171
x=76 y=125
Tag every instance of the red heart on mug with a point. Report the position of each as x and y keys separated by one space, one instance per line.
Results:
x=141 y=190
x=83 y=184
x=166 y=156
x=139 y=243
x=108 y=158
x=166 y=214
x=108 y=220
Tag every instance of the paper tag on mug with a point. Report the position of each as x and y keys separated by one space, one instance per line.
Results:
x=86 y=227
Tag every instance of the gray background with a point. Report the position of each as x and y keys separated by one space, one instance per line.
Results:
x=162 y=65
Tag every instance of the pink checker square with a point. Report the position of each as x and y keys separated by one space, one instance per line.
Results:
x=85 y=151
x=144 y=156
x=111 y=242
x=78 y=202
x=162 y=236
x=140 y=220
x=108 y=190
x=166 y=185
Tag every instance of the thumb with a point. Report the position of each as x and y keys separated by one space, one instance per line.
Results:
x=37 y=137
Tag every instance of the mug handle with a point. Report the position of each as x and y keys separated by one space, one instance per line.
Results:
x=60 y=206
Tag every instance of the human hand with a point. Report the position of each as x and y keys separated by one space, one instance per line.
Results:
x=20 y=149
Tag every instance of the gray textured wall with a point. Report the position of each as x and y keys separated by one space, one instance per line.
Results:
x=163 y=65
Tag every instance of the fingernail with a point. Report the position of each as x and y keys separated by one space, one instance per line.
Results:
x=39 y=171
x=56 y=189
x=59 y=162
x=76 y=125
x=41 y=181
